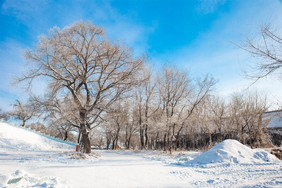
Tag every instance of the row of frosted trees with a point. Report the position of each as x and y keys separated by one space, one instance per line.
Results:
x=101 y=92
x=173 y=111
x=169 y=110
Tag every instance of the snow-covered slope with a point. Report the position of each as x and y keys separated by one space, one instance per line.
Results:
x=20 y=139
x=232 y=151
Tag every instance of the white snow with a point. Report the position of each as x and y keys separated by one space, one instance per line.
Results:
x=232 y=151
x=17 y=138
x=30 y=160
x=20 y=178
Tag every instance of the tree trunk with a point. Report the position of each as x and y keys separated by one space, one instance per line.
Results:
x=146 y=136
x=115 y=140
x=156 y=143
x=164 y=142
x=113 y=144
x=128 y=135
x=242 y=135
x=108 y=142
x=79 y=135
x=24 y=121
x=128 y=142
x=220 y=135
x=169 y=140
x=66 y=135
x=85 y=133
x=141 y=137
x=116 y=143
x=210 y=139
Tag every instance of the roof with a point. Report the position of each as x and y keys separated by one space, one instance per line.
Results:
x=274 y=111
x=273 y=119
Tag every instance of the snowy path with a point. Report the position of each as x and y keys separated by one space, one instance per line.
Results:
x=113 y=169
x=128 y=169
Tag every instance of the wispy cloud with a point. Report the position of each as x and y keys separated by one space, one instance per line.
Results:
x=211 y=51
x=39 y=16
x=35 y=18
x=209 y=6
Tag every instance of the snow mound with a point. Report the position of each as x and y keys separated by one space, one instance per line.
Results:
x=20 y=178
x=232 y=151
x=20 y=139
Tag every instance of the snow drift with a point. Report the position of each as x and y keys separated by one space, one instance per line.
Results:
x=21 y=139
x=20 y=178
x=232 y=151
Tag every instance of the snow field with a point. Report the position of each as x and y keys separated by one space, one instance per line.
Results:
x=30 y=160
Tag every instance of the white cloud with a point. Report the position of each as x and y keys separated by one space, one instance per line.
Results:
x=209 y=6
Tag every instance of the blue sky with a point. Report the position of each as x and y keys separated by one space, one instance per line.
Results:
x=195 y=36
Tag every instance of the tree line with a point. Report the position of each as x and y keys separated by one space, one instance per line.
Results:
x=169 y=110
x=100 y=93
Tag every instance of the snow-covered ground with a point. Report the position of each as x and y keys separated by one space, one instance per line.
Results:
x=30 y=160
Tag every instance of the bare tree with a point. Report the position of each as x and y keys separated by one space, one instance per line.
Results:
x=97 y=138
x=108 y=133
x=23 y=112
x=38 y=126
x=172 y=88
x=245 y=115
x=195 y=96
x=118 y=117
x=205 y=124
x=79 y=61
x=60 y=114
x=3 y=115
x=131 y=125
x=145 y=107
x=218 y=110
x=254 y=107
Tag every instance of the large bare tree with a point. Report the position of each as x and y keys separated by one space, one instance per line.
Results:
x=79 y=61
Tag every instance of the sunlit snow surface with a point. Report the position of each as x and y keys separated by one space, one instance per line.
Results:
x=233 y=152
x=21 y=139
x=30 y=160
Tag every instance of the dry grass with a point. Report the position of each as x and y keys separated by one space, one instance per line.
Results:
x=277 y=152
x=79 y=155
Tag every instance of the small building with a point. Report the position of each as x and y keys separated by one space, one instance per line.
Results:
x=273 y=122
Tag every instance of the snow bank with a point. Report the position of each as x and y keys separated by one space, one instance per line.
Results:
x=20 y=139
x=232 y=151
x=22 y=179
